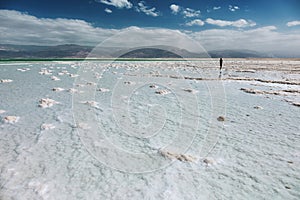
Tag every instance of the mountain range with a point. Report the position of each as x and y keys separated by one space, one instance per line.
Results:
x=9 y=51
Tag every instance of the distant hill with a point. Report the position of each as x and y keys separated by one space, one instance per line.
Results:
x=240 y=53
x=150 y=53
x=8 y=51
x=31 y=51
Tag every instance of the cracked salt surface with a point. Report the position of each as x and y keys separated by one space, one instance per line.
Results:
x=256 y=153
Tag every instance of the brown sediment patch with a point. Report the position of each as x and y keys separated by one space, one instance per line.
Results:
x=264 y=81
x=253 y=91
x=247 y=71
x=277 y=92
x=180 y=157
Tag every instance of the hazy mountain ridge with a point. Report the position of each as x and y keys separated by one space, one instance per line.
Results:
x=8 y=51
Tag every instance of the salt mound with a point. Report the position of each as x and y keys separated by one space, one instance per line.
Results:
x=209 y=161
x=296 y=104
x=258 y=107
x=45 y=72
x=103 y=90
x=162 y=92
x=82 y=125
x=6 y=81
x=129 y=83
x=90 y=83
x=2 y=111
x=58 y=89
x=73 y=75
x=153 y=86
x=180 y=157
x=23 y=69
x=221 y=119
x=91 y=103
x=191 y=91
x=73 y=90
x=11 y=119
x=46 y=103
x=47 y=126
x=55 y=78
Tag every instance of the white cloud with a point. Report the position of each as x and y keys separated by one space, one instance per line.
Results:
x=293 y=23
x=241 y=23
x=108 y=10
x=21 y=28
x=188 y=12
x=233 y=8
x=175 y=8
x=197 y=22
x=117 y=3
x=265 y=39
x=145 y=9
x=216 y=7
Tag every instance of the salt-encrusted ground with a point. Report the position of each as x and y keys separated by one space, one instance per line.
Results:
x=150 y=130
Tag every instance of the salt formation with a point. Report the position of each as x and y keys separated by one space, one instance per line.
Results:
x=91 y=103
x=221 y=119
x=83 y=126
x=258 y=107
x=11 y=119
x=58 y=89
x=47 y=126
x=90 y=83
x=208 y=161
x=190 y=91
x=55 y=78
x=162 y=92
x=73 y=75
x=2 y=111
x=180 y=157
x=23 y=69
x=73 y=90
x=6 y=81
x=103 y=90
x=153 y=86
x=129 y=83
x=46 y=103
x=45 y=72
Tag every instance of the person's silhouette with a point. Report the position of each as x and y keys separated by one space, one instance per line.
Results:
x=221 y=63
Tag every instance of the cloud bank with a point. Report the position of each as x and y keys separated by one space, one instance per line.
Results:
x=22 y=28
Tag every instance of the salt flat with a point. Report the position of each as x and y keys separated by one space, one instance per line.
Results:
x=150 y=130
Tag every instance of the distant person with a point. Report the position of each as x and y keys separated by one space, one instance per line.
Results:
x=221 y=63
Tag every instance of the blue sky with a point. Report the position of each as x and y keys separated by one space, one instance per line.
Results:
x=206 y=18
